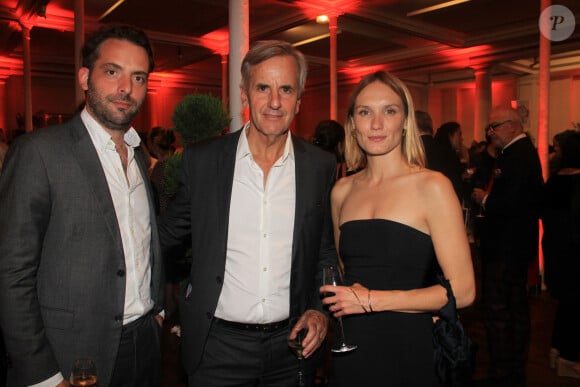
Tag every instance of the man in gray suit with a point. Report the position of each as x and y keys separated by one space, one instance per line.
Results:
x=256 y=204
x=80 y=267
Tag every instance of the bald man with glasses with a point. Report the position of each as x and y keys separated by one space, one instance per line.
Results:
x=508 y=244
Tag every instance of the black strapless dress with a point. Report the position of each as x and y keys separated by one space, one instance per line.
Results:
x=394 y=349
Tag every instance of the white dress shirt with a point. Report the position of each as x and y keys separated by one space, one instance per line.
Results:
x=132 y=208
x=516 y=138
x=256 y=286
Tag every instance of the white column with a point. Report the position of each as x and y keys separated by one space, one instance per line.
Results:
x=224 y=61
x=544 y=97
x=482 y=102
x=79 y=41
x=332 y=26
x=3 y=107
x=27 y=75
x=239 y=23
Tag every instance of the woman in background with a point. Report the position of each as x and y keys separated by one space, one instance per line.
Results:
x=395 y=223
x=561 y=244
x=329 y=135
x=450 y=139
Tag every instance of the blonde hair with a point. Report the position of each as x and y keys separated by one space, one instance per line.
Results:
x=412 y=147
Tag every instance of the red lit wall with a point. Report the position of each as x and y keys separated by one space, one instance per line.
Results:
x=55 y=96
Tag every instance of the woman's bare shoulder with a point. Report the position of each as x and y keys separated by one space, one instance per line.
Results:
x=436 y=190
x=342 y=184
x=432 y=187
x=342 y=187
x=432 y=180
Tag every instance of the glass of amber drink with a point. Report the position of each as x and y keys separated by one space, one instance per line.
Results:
x=84 y=373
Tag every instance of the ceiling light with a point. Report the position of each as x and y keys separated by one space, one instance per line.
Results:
x=311 y=40
x=322 y=19
x=436 y=7
x=111 y=9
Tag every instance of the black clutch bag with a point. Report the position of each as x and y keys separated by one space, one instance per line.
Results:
x=454 y=352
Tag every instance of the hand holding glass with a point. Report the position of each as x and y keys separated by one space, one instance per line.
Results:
x=295 y=346
x=480 y=214
x=332 y=276
x=84 y=373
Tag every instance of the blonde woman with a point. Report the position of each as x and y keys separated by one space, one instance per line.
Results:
x=395 y=223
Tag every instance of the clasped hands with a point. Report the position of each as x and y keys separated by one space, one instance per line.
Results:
x=345 y=300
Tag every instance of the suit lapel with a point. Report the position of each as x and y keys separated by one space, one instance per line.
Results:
x=140 y=158
x=155 y=249
x=302 y=191
x=224 y=175
x=86 y=155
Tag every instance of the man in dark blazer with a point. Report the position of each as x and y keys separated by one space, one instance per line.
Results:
x=508 y=245
x=256 y=204
x=80 y=267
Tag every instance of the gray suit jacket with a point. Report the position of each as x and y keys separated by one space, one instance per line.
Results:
x=62 y=267
x=201 y=209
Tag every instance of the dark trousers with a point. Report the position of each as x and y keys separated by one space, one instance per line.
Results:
x=138 y=361
x=236 y=357
x=507 y=320
x=566 y=332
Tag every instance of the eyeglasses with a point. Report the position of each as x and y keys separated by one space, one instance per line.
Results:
x=495 y=125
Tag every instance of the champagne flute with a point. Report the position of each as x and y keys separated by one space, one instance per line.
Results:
x=331 y=275
x=480 y=214
x=84 y=373
x=295 y=346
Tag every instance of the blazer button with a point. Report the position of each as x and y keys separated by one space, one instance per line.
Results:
x=118 y=318
x=218 y=279
x=121 y=273
x=209 y=315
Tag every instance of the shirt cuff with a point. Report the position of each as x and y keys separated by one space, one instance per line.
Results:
x=55 y=380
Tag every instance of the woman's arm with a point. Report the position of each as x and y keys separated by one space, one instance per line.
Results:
x=444 y=219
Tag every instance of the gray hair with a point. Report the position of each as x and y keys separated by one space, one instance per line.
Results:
x=265 y=49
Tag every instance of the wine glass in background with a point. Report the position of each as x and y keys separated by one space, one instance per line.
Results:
x=331 y=275
x=480 y=213
x=482 y=186
x=295 y=346
x=84 y=373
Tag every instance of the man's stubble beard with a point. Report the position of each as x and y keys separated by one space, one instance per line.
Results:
x=111 y=119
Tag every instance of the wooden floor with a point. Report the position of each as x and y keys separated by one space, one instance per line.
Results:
x=539 y=373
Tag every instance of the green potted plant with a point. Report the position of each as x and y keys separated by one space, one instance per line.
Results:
x=195 y=118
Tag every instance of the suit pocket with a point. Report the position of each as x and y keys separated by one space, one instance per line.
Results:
x=57 y=318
